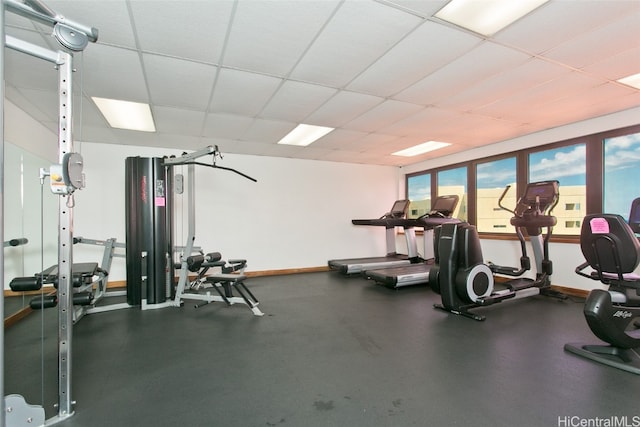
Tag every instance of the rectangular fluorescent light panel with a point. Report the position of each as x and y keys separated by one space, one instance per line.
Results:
x=425 y=147
x=304 y=135
x=633 y=81
x=486 y=17
x=126 y=114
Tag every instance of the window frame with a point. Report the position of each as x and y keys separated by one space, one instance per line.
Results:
x=594 y=180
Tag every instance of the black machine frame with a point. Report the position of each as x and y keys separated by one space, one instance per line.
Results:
x=612 y=253
x=465 y=282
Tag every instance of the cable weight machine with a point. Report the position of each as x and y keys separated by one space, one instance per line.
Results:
x=149 y=238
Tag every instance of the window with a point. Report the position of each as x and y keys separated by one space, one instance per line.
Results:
x=454 y=181
x=492 y=179
x=419 y=193
x=568 y=165
x=597 y=173
x=621 y=173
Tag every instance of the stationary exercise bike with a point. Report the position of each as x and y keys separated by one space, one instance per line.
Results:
x=465 y=282
x=612 y=251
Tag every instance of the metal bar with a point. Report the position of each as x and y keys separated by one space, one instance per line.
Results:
x=189 y=157
x=44 y=15
x=33 y=50
x=65 y=245
x=2 y=400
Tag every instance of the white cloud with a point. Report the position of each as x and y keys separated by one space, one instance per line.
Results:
x=561 y=164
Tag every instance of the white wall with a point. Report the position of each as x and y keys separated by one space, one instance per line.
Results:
x=297 y=215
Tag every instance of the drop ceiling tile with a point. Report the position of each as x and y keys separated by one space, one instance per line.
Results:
x=361 y=43
x=101 y=134
x=267 y=131
x=338 y=139
x=476 y=130
x=143 y=139
x=193 y=30
x=294 y=101
x=226 y=126
x=369 y=142
x=390 y=111
x=486 y=60
x=417 y=55
x=277 y=150
x=421 y=8
x=615 y=67
x=559 y=21
x=346 y=157
x=181 y=141
x=179 y=83
x=178 y=121
x=270 y=36
x=312 y=153
x=520 y=106
x=348 y=44
x=601 y=100
x=425 y=123
x=111 y=72
x=594 y=46
x=244 y=147
x=241 y=92
x=531 y=73
x=343 y=107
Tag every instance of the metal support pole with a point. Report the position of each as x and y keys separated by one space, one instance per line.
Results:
x=2 y=405
x=66 y=32
x=65 y=245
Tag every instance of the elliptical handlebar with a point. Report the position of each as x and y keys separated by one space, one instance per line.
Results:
x=504 y=193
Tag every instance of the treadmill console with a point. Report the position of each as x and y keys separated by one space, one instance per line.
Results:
x=443 y=206
x=398 y=210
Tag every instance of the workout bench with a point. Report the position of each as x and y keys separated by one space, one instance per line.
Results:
x=230 y=277
x=89 y=281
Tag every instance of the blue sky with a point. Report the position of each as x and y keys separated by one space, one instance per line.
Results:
x=419 y=187
x=497 y=174
x=621 y=173
x=566 y=164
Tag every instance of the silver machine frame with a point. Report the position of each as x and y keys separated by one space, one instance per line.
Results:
x=74 y=37
x=189 y=249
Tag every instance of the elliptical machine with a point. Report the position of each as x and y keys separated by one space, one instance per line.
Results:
x=612 y=251
x=465 y=282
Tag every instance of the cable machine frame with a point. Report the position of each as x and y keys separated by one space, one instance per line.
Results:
x=74 y=37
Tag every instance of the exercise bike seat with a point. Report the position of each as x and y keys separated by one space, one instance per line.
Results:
x=612 y=250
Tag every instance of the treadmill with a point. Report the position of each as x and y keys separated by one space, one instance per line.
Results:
x=415 y=274
x=392 y=219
